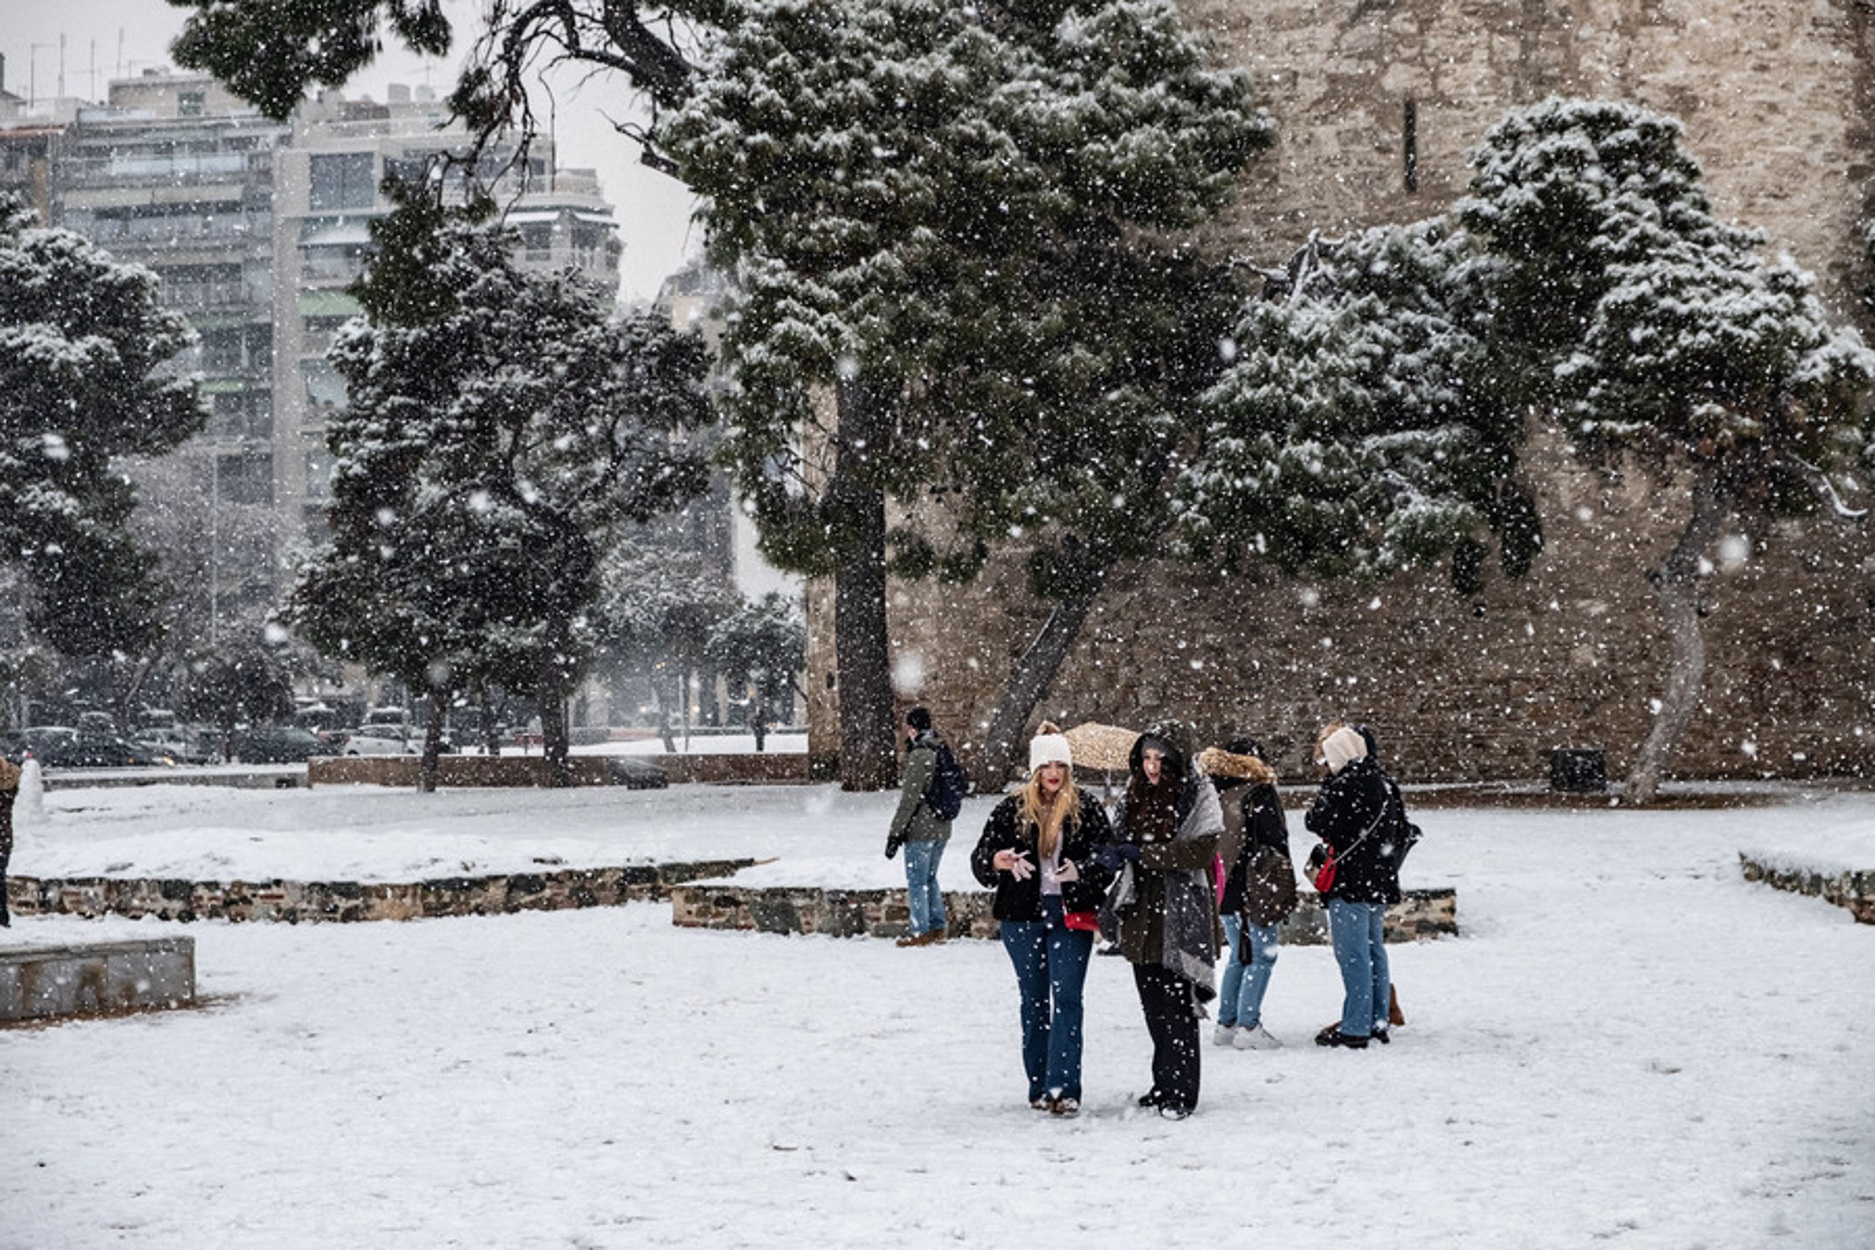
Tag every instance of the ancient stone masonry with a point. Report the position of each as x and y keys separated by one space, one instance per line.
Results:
x=1846 y=888
x=1458 y=689
x=342 y=901
x=1775 y=98
x=883 y=913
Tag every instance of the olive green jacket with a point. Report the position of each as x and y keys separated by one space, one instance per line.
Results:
x=914 y=821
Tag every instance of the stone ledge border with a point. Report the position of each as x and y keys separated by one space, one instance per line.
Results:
x=531 y=771
x=348 y=901
x=882 y=913
x=40 y=983
x=1850 y=889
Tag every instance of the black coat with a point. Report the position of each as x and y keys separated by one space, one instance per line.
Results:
x=1022 y=900
x=1264 y=824
x=1347 y=805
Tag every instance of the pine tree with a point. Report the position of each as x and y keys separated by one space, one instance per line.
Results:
x=1361 y=428
x=499 y=431
x=654 y=616
x=86 y=380
x=760 y=646
x=945 y=219
x=1647 y=326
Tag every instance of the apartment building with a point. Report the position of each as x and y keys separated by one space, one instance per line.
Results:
x=255 y=228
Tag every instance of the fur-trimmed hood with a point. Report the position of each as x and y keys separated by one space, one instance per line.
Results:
x=1217 y=762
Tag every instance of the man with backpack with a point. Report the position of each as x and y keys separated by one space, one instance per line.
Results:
x=930 y=797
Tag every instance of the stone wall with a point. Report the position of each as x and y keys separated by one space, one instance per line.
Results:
x=771 y=767
x=1776 y=101
x=1850 y=889
x=345 y=901
x=96 y=978
x=1477 y=688
x=882 y=913
x=1774 y=96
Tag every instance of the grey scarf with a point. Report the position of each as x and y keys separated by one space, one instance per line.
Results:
x=1191 y=900
x=1190 y=947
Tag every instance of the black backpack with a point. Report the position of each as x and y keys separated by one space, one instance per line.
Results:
x=944 y=793
x=1402 y=834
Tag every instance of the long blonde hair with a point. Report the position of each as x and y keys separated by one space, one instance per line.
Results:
x=1048 y=818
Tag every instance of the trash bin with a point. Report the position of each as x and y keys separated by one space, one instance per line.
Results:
x=1578 y=770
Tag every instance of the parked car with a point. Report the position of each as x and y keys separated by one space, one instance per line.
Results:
x=334 y=739
x=636 y=774
x=58 y=746
x=277 y=744
x=387 y=740
x=179 y=745
x=379 y=740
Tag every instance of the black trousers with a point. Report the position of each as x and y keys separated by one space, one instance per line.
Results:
x=6 y=853
x=1171 y=1010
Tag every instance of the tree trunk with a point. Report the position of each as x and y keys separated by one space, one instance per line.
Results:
x=491 y=733
x=555 y=741
x=1029 y=680
x=862 y=665
x=432 y=744
x=1676 y=583
x=660 y=694
x=550 y=702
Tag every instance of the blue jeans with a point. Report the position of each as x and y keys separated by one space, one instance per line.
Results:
x=1240 y=997
x=1051 y=964
x=922 y=894
x=1358 y=931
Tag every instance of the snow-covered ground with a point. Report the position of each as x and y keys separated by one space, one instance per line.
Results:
x=1628 y=1045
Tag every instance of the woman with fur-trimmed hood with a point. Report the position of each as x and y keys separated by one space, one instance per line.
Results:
x=1163 y=908
x=1259 y=887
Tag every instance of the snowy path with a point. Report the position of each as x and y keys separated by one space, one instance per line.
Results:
x=1629 y=1046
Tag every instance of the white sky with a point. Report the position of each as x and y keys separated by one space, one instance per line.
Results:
x=75 y=47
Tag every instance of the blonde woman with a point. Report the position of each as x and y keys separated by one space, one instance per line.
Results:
x=1037 y=852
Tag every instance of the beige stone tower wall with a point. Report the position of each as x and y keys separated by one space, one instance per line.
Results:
x=1773 y=95
x=1775 y=99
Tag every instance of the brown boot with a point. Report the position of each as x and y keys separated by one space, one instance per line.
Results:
x=1395 y=1016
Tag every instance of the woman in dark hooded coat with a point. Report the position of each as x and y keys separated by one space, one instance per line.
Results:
x=1163 y=908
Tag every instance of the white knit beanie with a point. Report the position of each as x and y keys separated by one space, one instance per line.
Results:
x=1342 y=748
x=1049 y=748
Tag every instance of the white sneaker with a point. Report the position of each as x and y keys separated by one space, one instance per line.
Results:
x=1255 y=1037
x=1225 y=1035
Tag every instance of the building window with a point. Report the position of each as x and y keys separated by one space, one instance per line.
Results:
x=221 y=350
x=247 y=479
x=347 y=180
x=1409 y=145
x=191 y=104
